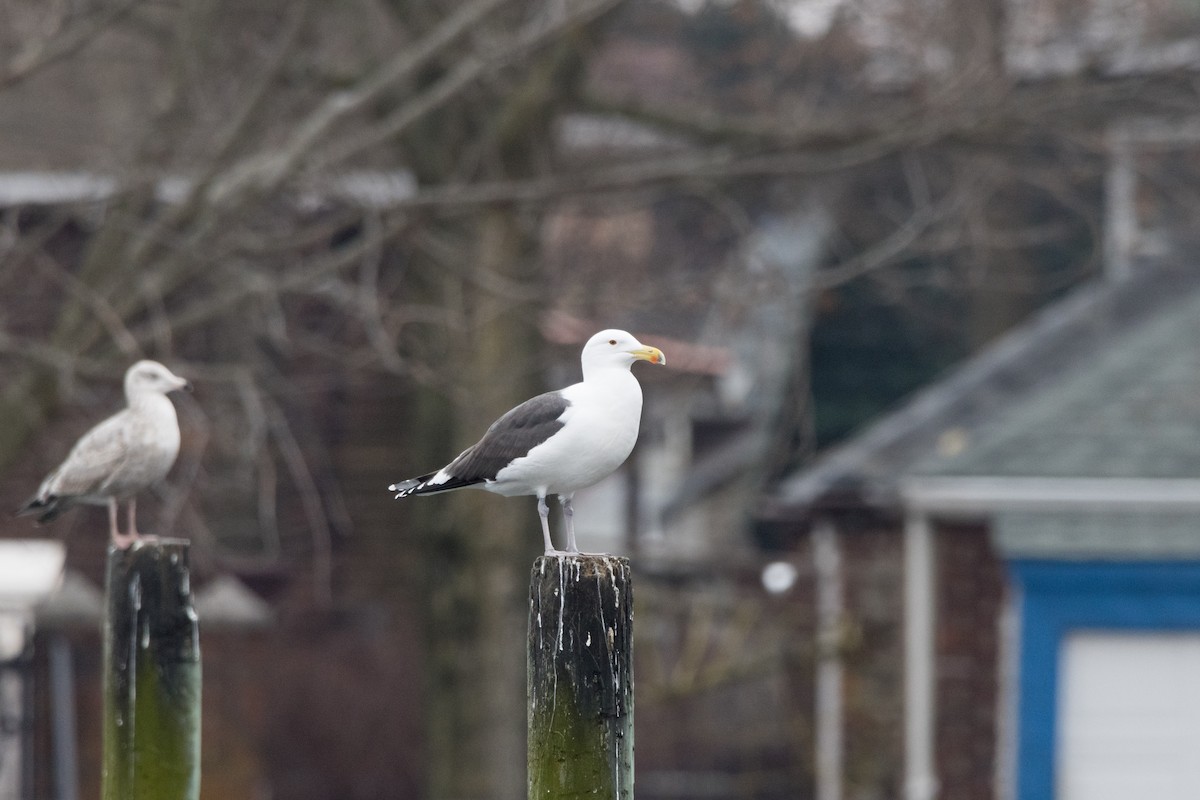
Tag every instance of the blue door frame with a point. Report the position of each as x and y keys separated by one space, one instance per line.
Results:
x=1058 y=597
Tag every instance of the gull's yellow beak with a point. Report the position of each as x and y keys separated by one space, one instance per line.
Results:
x=651 y=354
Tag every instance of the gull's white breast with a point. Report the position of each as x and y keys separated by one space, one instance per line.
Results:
x=600 y=428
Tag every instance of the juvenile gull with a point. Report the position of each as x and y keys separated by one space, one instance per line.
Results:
x=558 y=442
x=121 y=456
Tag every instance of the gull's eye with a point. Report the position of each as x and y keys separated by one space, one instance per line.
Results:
x=612 y=341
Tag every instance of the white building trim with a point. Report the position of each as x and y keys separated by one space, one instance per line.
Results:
x=830 y=715
x=951 y=496
x=378 y=189
x=920 y=666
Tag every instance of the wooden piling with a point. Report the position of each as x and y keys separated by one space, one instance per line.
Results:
x=580 y=678
x=151 y=675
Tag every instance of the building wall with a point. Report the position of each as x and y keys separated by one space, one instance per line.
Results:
x=971 y=581
x=872 y=644
x=970 y=593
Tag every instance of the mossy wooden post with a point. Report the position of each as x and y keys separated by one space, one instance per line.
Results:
x=151 y=675
x=580 y=678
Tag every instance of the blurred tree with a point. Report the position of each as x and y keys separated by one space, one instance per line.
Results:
x=299 y=197
x=259 y=227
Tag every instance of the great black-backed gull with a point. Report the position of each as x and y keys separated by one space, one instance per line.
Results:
x=121 y=456
x=558 y=442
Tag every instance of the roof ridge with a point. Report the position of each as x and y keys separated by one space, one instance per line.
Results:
x=1051 y=337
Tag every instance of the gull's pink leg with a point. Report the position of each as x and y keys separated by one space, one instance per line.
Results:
x=569 y=517
x=134 y=532
x=121 y=540
x=131 y=510
x=544 y=515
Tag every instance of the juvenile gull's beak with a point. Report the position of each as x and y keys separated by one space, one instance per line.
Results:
x=651 y=354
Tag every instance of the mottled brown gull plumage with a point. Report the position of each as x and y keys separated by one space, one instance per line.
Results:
x=121 y=456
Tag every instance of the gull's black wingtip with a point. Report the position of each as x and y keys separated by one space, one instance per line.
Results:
x=32 y=506
x=404 y=488
x=46 y=508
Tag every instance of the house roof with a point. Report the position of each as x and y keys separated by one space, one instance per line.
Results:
x=1128 y=409
x=1102 y=383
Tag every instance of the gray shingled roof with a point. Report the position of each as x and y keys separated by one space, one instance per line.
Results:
x=1105 y=383
x=1130 y=409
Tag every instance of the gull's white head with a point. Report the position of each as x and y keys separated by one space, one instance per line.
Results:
x=614 y=348
x=150 y=377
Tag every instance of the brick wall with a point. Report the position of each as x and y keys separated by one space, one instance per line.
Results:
x=969 y=600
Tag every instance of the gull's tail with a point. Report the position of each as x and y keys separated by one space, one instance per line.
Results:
x=410 y=486
x=48 y=507
x=434 y=482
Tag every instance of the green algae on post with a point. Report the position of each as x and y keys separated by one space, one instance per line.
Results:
x=580 y=678
x=151 y=675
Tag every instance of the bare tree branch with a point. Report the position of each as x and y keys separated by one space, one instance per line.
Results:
x=465 y=71
x=267 y=170
x=310 y=498
x=61 y=43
